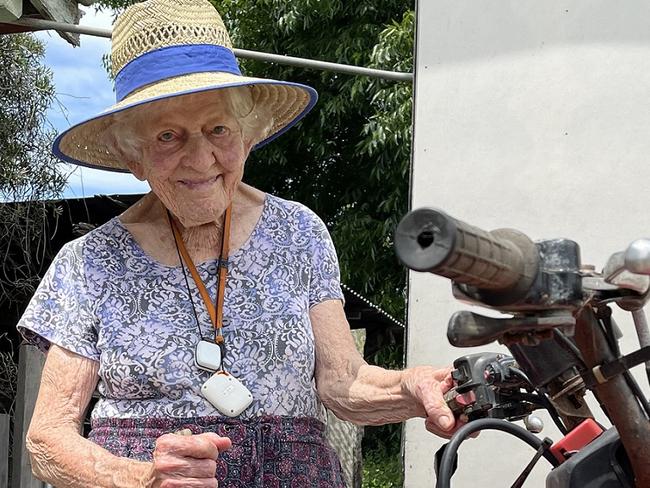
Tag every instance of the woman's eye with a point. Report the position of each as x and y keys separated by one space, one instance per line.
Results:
x=220 y=130
x=166 y=136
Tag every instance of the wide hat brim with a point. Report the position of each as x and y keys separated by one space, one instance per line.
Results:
x=85 y=143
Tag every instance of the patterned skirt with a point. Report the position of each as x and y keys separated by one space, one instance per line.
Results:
x=266 y=452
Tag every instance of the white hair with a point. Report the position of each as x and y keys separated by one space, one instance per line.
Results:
x=255 y=122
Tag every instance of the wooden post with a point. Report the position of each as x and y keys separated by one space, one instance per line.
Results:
x=4 y=450
x=30 y=365
x=10 y=10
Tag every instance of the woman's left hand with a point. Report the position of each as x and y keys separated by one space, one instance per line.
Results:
x=428 y=386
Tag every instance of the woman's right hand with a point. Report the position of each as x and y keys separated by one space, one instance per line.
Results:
x=186 y=461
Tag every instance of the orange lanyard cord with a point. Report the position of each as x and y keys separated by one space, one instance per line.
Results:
x=223 y=274
x=216 y=312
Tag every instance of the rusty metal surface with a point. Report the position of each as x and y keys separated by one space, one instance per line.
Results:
x=615 y=395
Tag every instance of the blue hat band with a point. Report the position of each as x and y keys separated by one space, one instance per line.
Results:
x=169 y=62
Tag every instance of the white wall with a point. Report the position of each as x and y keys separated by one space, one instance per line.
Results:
x=534 y=115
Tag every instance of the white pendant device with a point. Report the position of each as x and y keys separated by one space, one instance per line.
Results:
x=208 y=356
x=227 y=394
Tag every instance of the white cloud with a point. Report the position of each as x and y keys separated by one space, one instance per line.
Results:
x=93 y=18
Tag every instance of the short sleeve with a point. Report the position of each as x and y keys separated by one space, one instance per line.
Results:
x=61 y=310
x=325 y=281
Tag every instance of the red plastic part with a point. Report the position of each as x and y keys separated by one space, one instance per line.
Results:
x=575 y=440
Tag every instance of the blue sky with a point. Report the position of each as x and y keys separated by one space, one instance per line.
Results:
x=83 y=89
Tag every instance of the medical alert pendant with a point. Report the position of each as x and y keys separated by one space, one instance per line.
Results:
x=227 y=394
x=208 y=356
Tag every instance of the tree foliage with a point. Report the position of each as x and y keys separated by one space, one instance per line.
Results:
x=348 y=160
x=382 y=470
x=28 y=171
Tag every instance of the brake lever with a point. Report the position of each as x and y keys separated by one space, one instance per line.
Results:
x=629 y=269
x=637 y=257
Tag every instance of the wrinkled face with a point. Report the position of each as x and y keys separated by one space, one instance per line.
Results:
x=193 y=155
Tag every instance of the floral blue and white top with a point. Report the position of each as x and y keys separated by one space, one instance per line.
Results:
x=105 y=299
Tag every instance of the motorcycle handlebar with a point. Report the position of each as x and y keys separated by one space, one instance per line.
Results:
x=428 y=239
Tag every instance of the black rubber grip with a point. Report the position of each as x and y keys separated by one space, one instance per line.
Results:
x=430 y=240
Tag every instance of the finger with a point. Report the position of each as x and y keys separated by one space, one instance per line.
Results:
x=447 y=384
x=434 y=429
x=446 y=380
x=183 y=432
x=196 y=446
x=437 y=410
x=444 y=421
x=443 y=374
x=221 y=443
x=190 y=483
x=185 y=467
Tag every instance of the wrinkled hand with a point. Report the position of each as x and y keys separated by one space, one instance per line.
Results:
x=428 y=385
x=186 y=461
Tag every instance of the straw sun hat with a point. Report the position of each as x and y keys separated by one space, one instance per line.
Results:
x=167 y=48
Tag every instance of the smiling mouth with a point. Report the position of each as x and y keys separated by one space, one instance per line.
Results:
x=199 y=184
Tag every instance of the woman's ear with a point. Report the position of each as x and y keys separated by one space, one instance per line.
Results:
x=248 y=143
x=110 y=139
x=136 y=169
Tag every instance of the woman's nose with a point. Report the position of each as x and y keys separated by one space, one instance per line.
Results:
x=199 y=152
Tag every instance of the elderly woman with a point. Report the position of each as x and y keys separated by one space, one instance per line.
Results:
x=209 y=307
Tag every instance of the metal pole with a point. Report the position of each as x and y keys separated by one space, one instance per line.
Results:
x=39 y=24
x=641 y=325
